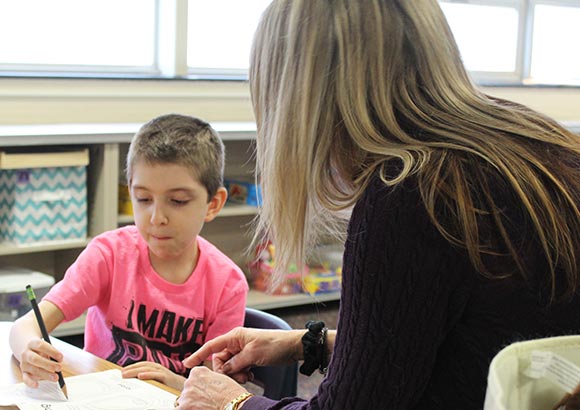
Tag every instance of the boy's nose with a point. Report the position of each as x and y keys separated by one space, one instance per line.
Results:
x=158 y=217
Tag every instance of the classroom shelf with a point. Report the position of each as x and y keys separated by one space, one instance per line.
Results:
x=72 y=328
x=12 y=249
x=263 y=301
x=64 y=134
x=125 y=219
x=228 y=210
x=237 y=210
x=256 y=299
x=108 y=145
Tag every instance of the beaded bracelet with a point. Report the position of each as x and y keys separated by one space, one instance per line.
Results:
x=314 y=345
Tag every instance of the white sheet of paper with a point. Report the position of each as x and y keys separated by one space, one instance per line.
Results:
x=105 y=390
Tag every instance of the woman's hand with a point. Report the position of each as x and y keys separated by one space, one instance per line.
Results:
x=36 y=363
x=153 y=371
x=236 y=352
x=207 y=390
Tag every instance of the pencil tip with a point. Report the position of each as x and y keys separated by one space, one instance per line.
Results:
x=65 y=392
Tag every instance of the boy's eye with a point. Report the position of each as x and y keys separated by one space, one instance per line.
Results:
x=179 y=201
x=142 y=199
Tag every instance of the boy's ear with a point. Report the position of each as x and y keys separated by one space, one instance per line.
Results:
x=216 y=204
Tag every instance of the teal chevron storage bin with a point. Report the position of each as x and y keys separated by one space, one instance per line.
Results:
x=43 y=196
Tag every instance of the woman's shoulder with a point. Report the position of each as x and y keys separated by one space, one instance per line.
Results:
x=390 y=207
x=382 y=191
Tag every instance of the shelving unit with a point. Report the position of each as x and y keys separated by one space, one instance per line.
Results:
x=9 y=249
x=108 y=145
x=256 y=300
x=264 y=301
x=228 y=210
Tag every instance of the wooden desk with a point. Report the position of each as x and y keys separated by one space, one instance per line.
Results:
x=76 y=361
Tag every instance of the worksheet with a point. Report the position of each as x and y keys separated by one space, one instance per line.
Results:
x=105 y=390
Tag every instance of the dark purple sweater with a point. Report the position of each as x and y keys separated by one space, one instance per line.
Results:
x=418 y=326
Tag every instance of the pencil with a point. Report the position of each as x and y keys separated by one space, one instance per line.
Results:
x=40 y=320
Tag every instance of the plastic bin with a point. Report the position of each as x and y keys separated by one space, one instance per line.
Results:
x=13 y=299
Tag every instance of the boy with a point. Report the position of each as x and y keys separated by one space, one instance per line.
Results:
x=155 y=291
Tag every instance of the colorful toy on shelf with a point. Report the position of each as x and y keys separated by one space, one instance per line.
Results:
x=323 y=276
x=243 y=190
x=322 y=279
x=261 y=271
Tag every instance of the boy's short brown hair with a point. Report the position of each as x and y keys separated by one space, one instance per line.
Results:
x=183 y=140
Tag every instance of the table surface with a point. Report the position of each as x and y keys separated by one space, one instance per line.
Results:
x=76 y=361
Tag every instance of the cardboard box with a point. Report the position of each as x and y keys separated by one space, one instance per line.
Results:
x=13 y=299
x=42 y=200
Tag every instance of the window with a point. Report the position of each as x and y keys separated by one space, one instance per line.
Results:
x=485 y=46
x=220 y=34
x=555 y=57
x=517 y=41
x=72 y=35
x=501 y=41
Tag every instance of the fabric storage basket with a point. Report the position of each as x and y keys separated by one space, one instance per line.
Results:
x=509 y=387
x=43 y=196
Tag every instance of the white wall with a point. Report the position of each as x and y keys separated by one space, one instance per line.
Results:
x=43 y=101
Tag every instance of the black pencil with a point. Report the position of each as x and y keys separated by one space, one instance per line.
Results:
x=40 y=320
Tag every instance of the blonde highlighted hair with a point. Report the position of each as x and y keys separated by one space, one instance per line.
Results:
x=341 y=87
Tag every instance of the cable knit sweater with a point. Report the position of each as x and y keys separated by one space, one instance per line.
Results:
x=418 y=326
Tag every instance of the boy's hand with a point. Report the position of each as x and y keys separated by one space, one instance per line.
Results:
x=36 y=363
x=154 y=371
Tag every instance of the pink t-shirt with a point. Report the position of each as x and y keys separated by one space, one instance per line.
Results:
x=135 y=315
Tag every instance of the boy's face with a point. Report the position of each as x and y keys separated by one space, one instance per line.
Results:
x=170 y=207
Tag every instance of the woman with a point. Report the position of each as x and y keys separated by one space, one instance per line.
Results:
x=465 y=231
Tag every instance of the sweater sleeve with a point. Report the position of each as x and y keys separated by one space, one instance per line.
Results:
x=403 y=290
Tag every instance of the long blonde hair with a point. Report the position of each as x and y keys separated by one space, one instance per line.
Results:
x=341 y=87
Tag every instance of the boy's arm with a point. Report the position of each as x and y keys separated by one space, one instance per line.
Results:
x=26 y=328
x=30 y=350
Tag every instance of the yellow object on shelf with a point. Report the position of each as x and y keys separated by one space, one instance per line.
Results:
x=322 y=279
x=125 y=205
